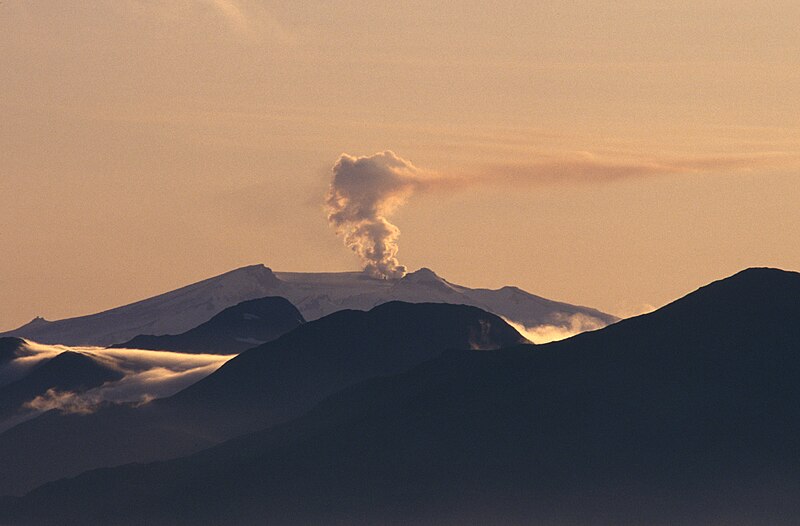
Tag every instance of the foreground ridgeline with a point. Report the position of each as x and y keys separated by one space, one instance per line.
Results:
x=688 y=415
x=266 y=385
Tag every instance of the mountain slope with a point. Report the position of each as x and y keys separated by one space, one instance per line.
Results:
x=279 y=379
x=315 y=295
x=684 y=416
x=232 y=331
x=265 y=385
x=68 y=371
x=10 y=350
x=170 y=313
x=9 y=347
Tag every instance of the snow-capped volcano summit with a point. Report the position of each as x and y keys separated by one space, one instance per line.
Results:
x=425 y=277
x=314 y=294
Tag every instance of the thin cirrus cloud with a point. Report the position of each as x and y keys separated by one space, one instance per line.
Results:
x=252 y=20
x=589 y=168
x=232 y=12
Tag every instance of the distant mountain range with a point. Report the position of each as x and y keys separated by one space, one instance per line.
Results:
x=314 y=294
x=688 y=415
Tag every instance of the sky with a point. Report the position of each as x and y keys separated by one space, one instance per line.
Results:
x=610 y=154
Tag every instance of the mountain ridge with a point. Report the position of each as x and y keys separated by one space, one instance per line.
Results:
x=267 y=384
x=314 y=294
x=235 y=329
x=644 y=422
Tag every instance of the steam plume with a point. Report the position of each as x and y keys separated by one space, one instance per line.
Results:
x=363 y=193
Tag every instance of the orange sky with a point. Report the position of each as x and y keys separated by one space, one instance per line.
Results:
x=145 y=145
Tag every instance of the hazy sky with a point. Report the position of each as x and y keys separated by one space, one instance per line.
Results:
x=626 y=152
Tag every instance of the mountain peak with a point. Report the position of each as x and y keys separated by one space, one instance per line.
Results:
x=770 y=273
x=35 y=323
x=756 y=283
x=257 y=268
x=9 y=347
x=423 y=275
x=749 y=307
x=425 y=278
x=258 y=272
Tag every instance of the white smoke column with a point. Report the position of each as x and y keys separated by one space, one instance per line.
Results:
x=366 y=190
x=363 y=193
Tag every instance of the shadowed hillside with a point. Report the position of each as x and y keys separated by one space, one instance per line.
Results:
x=232 y=331
x=263 y=386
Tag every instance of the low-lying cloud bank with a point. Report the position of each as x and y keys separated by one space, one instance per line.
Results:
x=565 y=328
x=146 y=375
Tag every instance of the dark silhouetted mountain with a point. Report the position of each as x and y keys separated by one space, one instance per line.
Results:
x=262 y=386
x=66 y=372
x=277 y=380
x=232 y=331
x=323 y=293
x=9 y=347
x=689 y=415
x=314 y=294
x=113 y=435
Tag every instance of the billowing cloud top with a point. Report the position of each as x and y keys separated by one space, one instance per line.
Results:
x=364 y=191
